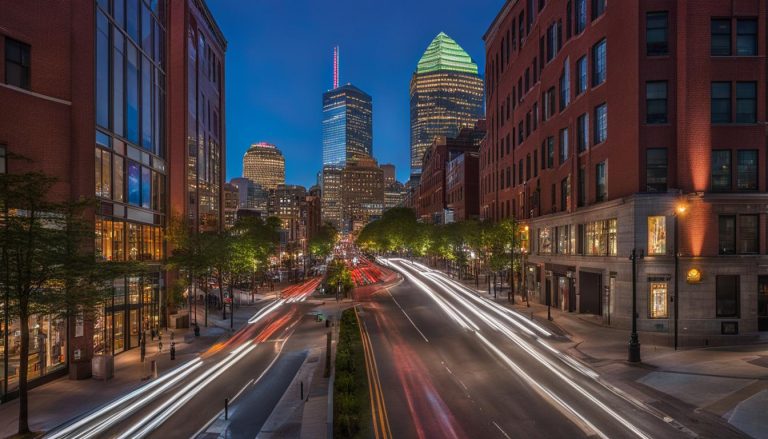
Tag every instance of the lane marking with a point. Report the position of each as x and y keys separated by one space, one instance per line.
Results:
x=252 y=381
x=377 y=394
x=501 y=430
x=407 y=316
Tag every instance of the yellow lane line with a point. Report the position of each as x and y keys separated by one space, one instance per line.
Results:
x=378 y=407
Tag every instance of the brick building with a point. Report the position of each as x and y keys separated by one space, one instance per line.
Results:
x=462 y=194
x=604 y=119
x=98 y=93
x=432 y=201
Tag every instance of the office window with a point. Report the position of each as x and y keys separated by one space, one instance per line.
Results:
x=134 y=183
x=746 y=102
x=656 y=170
x=563 y=145
x=656 y=33
x=727 y=296
x=582 y=132
x=17 y=57
x=582 y=195
x=721 y=102
x=746 y=170
x=656 y=102
x=565 y=85
x=746 y=37
x=3 y=164
x=658 y=298
x=748 y=235
x=102 y=69
x=103 y=173
x=720 y=39
x=721 y=170
x=601 y=187
x=581 y=75
x=550 y=152
x=601 y=123
x=132 y=95
x=657 y=235
x=598 y=8
x=727 y=234
x=530 y=15
x=568 y=20
x=536 y=162
x=598 y=63
x=581 y=15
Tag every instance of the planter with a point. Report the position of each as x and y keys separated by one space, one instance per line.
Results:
x=103 y=367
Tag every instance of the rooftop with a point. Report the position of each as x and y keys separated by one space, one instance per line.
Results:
x=444 y=54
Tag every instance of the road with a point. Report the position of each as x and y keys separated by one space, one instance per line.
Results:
x=453 y=364
x=181 y=402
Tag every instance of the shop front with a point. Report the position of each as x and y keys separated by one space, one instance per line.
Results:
x=47 y=351
x=133 y=310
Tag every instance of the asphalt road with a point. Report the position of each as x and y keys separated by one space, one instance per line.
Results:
x=455 y=365
x=182 y=401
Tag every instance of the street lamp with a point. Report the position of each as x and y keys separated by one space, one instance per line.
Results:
x=679 y=210
x=634 y=342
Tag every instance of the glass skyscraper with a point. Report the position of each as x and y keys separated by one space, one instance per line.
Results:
x=347 y=125
x=446 y=95
x=264 y=165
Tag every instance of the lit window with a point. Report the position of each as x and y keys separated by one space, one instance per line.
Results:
x=658 y=298
x=657 y=235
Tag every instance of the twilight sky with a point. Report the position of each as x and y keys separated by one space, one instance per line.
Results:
x=279 y=62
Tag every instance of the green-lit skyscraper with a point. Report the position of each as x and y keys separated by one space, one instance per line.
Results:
x=446 y=95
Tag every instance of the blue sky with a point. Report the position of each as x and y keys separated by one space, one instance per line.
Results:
x=279 y=62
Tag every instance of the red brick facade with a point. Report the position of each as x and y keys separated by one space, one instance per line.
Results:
x=638 y=54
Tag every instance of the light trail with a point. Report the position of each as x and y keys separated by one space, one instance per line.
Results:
x=182 y=370
x=459 y=293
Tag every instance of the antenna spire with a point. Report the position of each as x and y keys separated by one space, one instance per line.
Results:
x=336 y=67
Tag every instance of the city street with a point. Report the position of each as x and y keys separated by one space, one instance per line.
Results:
x=453 y=364
x=184 y=400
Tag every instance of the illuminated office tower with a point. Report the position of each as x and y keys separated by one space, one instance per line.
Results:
x=446 y=95
x=264 y=165
x=347 y=125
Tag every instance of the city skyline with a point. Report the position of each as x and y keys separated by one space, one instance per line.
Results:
x=280 y=85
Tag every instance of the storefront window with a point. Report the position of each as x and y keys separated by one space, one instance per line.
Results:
x=545 y=240
x=658 y=298
x=47 y=348
x=600 y=238
x=563 y=240
x=657 y=235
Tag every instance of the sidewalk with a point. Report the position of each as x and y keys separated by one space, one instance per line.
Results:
x=61 y=400
x=730 y=383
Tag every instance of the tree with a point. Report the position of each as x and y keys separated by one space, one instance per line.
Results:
x=321 y=245
x=48 y=260
x=339 y=278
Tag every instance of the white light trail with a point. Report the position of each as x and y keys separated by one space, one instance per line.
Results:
x=180 y=371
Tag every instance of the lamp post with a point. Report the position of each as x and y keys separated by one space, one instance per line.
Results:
x=679 y=210
x=634 y=343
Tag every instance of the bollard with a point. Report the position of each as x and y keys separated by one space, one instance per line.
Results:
x=173 y=350
x=154 y=369
x=226 y=409
x=197 y=330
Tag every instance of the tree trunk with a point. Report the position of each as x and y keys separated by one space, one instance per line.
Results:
x=23 y=372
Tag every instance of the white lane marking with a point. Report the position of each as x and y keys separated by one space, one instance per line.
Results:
x=501 y=430
x=407 y=316
x=252 y=381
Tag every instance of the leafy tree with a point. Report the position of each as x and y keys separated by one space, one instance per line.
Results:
x=338 y=277
x=321 y=245
x=49 y=266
